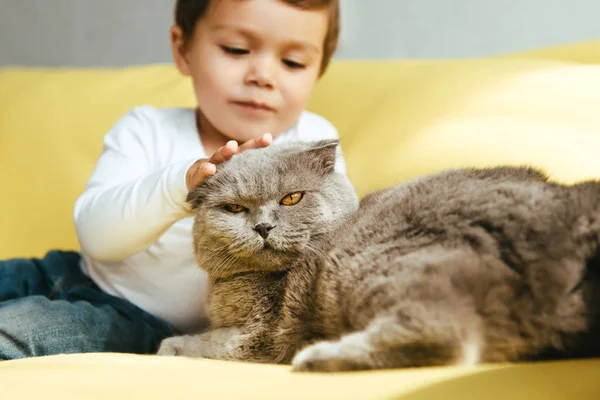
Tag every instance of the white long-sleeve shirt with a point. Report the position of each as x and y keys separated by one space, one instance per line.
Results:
x=132 y=221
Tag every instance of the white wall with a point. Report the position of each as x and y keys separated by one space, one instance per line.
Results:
x=122 y=32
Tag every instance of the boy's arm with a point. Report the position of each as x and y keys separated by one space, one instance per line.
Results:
x=128 y=204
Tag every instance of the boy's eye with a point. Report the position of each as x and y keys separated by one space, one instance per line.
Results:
x=234 y=208
x=293 y=64
x=292 y=199
x=236 y=51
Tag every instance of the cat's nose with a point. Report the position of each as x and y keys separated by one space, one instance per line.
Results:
x=263 y=229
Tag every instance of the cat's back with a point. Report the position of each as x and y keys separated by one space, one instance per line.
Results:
x=444 y=204
x=498 y=222
x=515 y=203
x=502 y=245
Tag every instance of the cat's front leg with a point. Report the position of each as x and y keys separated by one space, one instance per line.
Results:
x=219 y=344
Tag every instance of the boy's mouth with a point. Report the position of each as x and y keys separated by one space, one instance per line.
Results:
x=253 y=105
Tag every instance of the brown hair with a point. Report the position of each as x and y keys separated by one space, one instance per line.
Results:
x=188 y=12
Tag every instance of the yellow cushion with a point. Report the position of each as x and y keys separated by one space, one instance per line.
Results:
x=51 y=127
x=583 y=52
x=400 y=120
x=112 y=376
x=397 y=119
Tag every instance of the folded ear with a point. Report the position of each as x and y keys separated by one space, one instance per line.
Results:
x=195 y=197
x=321 y=156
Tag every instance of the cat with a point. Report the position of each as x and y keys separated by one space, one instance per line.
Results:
x=461 y=267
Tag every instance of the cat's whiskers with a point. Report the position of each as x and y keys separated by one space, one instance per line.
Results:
x=224 y=263
x=217 y=260
x=317 y=252
x=244 y=246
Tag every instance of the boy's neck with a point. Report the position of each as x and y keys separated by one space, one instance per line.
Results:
x=210 y=137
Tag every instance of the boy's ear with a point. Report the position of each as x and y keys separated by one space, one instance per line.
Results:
x=322 y=155
x=179 y=50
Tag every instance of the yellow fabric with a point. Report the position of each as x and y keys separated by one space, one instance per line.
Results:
x=397 y=119
x=116 y=377
x=584 y=52
x=401 y=120
x=51 y=127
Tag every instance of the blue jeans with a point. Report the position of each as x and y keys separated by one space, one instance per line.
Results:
x=48 y=306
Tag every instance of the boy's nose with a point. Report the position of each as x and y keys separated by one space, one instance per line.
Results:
x=262 y=73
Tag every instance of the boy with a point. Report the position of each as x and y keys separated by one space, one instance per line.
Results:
x=253 y=65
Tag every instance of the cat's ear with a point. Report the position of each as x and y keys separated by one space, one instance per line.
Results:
x=195 y=197
x=322 y=156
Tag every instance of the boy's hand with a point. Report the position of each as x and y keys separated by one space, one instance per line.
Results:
x=206 y=167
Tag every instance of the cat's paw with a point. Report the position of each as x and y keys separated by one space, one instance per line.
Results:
x=326 y=357
x=172 y=346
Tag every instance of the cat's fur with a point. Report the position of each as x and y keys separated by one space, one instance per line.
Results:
x=465 y=266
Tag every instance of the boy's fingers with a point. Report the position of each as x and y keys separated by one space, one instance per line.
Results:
x=199 y=172
x=263 y=141
x=224 y=153
x=266 y=140
x=207 y=169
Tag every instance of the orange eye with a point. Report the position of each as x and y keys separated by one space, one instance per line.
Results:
x=292 y=199
x=234 y=208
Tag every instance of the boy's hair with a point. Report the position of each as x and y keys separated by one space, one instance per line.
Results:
x=189 y=12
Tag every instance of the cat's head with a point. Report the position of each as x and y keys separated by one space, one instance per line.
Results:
x=262 y=208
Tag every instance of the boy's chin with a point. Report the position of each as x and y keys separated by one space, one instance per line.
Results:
x=248 y=130
x=242 y=137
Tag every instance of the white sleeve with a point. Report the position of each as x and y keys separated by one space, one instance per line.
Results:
x=128 y=203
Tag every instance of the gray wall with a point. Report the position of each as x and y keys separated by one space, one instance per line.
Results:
x=123 y=32
x=84 y=32
x=463 y=28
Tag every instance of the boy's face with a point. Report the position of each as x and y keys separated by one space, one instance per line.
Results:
x=253 y=64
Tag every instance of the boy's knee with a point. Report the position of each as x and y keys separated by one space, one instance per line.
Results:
x=36 y=326
x=19 y=277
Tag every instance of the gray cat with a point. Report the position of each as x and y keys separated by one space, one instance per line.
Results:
x=462 y=267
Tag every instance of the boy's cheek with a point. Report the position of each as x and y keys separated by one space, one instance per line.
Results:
x=297 y=93
x=228 y=71
x=218 y=77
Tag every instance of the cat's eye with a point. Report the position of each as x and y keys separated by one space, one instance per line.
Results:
x=292 y=199
x=234 y=208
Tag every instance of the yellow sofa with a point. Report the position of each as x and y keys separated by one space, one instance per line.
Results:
x=397 y=120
